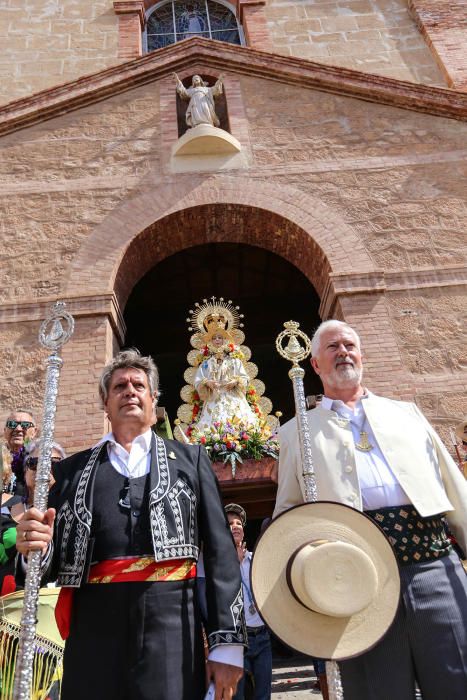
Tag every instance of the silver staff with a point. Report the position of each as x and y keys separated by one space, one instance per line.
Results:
x=295 y=353
x=54 y=332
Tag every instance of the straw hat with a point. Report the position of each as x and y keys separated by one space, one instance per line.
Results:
x=325 y=580
x=460 y=430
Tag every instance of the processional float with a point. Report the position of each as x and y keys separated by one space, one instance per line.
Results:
x=54 y=332
x=324 y=576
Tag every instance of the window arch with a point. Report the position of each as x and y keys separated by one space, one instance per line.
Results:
x=173 y=20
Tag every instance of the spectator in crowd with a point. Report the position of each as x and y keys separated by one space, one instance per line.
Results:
x=15 y=508
x=31 y=458
x=7 y=554
x=258 y=656
x=20 y=428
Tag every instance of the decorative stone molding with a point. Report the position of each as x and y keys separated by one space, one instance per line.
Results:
x=131 y=22
x=345 y=285
x=80 y=306
x=339 y=285
x=216 y=57
x=205 y=140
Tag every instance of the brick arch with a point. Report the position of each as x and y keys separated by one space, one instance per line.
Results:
x=146 y=228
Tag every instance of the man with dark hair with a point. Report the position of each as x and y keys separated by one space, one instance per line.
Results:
x=258 y=655
x=383 y=457
x=131 y=516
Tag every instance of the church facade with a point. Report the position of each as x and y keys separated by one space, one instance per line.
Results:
x=350 y=116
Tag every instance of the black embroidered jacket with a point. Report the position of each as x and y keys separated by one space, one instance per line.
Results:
x=185 y=512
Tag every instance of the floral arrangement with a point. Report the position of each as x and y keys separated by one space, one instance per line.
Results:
x=232 y=442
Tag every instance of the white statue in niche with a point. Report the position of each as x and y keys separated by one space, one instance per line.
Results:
x=201 y=108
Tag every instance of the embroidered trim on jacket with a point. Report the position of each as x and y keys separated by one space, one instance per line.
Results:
x=182 y=545
x=237 y=635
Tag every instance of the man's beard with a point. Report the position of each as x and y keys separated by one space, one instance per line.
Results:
x=345 y=376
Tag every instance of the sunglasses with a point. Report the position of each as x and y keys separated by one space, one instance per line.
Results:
x=25 y=424
x=31 y=462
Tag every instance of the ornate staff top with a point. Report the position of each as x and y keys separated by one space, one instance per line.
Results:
x=293 y=351
x=52 y=333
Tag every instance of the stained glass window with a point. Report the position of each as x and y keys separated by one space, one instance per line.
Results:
x=176 y=20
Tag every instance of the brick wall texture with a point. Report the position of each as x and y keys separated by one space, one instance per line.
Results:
x=48 y=42
x=349 y=191
x=444 y=26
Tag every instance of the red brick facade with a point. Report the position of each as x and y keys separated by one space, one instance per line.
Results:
x=444 y=26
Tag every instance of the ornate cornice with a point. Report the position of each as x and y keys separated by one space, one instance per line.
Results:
x=341 y=285
x=224 y=57
x=79 y=306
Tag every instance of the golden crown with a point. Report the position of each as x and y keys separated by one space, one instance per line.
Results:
x=214 y=313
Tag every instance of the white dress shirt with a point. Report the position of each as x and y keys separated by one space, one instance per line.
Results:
x=378 y=484
x=132 y=464
x=137 y=463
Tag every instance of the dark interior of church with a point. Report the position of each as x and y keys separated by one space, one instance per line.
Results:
x=268 y=289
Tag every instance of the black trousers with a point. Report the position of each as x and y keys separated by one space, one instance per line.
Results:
x=135 y=641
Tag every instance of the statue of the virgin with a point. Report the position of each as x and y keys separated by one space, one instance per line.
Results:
x=224 y=408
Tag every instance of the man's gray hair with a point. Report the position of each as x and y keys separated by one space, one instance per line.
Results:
x=125 y=359
x=35 y=444
x=21 y=410
x=328 y=325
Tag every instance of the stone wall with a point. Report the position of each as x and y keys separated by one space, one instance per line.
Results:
x=66 y=176
x=375 y=190
x=22 y=367
x=374 y=36
x=47 y=42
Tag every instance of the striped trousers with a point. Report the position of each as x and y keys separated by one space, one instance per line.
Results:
x=427 y=643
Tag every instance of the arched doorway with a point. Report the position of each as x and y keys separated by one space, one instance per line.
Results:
x=152 y=225
x=268 y=289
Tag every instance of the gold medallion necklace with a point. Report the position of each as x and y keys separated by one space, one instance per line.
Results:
x=364 y=445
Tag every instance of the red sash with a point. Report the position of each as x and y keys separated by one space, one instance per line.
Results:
x=123 y=570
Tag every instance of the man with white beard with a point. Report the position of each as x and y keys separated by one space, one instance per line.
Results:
x=381 y=456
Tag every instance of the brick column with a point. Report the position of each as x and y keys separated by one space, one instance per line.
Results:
x=131 y=22
x=252 y=17
x=443 y=24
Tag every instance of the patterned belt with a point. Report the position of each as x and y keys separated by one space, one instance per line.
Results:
x=121 y=570
x=141 y=569
x=414 y=538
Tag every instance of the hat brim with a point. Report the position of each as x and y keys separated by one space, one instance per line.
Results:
x=304 y=630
